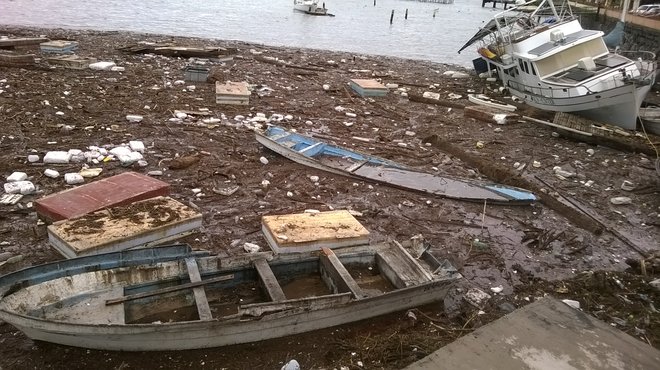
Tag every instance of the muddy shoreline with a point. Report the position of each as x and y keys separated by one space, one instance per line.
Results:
x=529 y=251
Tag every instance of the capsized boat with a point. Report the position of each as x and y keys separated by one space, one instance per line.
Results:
x=310 y=7
x=174 y=298
x=335 y=159
x=548 y=60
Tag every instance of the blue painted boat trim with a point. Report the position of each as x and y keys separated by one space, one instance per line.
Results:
x=54 y=270
x=297 y=142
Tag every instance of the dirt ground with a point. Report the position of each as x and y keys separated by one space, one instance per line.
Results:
x=574 y=244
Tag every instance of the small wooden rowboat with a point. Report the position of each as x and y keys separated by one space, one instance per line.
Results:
x=173 y=298
x=332 y=158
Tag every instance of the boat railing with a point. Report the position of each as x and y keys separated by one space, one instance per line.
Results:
x=645 y=61
x=571 y=91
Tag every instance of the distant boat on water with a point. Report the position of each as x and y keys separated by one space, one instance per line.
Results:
x=310 y=7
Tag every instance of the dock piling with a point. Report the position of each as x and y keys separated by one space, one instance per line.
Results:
x=392 y=16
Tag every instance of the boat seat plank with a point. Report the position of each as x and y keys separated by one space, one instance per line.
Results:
x=336 y=275
x=401 y=268
x=311 y=148
x=269 y=282
x=200 y=295
x=357 y=165
x=171 y=289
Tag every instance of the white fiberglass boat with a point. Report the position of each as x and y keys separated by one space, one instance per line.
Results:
x=548 y=60
x=310 y=7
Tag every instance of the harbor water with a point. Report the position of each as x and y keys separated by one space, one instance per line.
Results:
x=358 y=25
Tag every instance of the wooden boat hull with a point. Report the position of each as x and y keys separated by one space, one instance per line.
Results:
x=154 y=337
x=308 y=151
x=44 y=301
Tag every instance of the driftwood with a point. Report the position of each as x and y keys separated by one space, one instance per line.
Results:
x=281 y=63
x=11 y=60
x=445 y=103
x=28 y=41
x=489 y=114
x=178 y=51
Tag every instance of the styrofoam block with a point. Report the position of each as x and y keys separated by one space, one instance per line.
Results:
x=17 y=176
x=136 y=146
x=134 y=118
x=19 y=187
x=73 y=178
x=51 y=173
x=57 y=157
x=102 y=66
x=121 y=150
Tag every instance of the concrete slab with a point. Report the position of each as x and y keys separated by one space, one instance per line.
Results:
x=303 y=232
x=121 y=189
x=544 y=335
x=143 y=223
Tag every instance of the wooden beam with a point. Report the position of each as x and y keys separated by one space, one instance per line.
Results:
x=269 y=282
x=13 y=60
x=200 y=295
x=10 y=43
x=133 y=297
x=340 y=279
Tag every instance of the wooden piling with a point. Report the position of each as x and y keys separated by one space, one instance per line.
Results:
x=374 y=2
x=406 y=16
x=392 y=16
x=434 y=11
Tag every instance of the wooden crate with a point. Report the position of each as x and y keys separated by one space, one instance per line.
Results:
x=294 y=233
x=139 y=224
x=71 y=61
x=368 y=87
x=232 y=93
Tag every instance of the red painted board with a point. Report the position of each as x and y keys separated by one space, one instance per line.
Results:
x=118 y=190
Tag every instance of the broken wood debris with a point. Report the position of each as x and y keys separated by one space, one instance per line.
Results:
x=71 y=61
x=24 y=41
x=445 y=103
x=14 y=60
x=281 y=63
x=59 y=46
x=489 y=114
x=170 y=50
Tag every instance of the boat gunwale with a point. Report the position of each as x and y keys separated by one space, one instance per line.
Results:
x=315 y=163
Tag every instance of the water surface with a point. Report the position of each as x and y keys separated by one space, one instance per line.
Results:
x=358 y=26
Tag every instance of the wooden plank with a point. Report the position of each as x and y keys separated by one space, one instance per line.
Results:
x=200 y=295
x=307 y=231
x=356 y=166
x=172 y=289
x=125 y=188
x=123 y=227
x=399 y=266
x=269 y=281
x=489 y=114
x=340 y=279
x=13 y=60
x=26 y=41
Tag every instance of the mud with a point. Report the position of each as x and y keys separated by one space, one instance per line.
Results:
x=529 y=251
